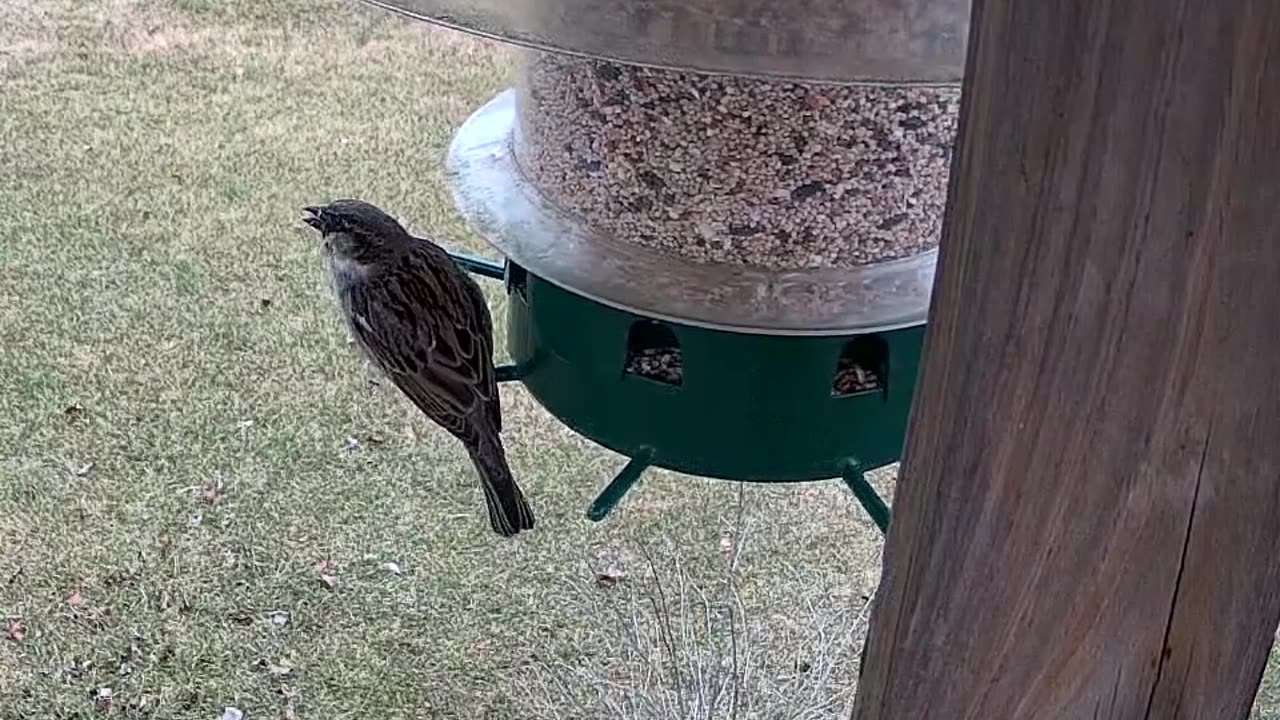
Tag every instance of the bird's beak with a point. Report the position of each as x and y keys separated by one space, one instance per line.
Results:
x=315 y=217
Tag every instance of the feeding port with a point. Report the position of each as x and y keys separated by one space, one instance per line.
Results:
x=720 y=220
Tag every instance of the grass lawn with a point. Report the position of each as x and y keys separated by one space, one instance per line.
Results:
x=205 y=503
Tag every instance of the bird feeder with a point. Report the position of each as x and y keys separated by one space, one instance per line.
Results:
x=719 y=220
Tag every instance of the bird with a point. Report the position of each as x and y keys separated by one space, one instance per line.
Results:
x=425 y=324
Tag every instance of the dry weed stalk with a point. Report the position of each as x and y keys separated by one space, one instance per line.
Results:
x=682 y=651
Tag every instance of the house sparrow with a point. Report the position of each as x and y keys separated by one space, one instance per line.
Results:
x=425 y=324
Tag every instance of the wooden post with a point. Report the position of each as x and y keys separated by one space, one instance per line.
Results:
x=1088 y=518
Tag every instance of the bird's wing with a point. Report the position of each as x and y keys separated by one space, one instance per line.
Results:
x=420 y=324
x=482 y=325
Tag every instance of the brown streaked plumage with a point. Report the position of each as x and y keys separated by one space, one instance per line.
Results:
x=425 y=324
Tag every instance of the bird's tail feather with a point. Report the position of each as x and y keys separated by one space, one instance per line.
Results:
x=509 y=513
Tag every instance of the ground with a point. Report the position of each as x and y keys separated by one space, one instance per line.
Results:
x=206 y=504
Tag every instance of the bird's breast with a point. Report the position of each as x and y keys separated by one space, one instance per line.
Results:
x=344 y=272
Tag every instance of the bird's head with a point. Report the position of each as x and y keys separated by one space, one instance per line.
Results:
x=355 y=230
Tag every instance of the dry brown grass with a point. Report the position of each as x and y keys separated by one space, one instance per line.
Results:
x=174 y=471
x=178 y=460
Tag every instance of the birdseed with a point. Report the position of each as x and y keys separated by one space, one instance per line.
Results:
x=661 y=364
x=852 y=378
x=665 y=365
x=773 y=174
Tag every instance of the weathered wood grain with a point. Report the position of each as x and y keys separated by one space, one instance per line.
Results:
x=1087 y=523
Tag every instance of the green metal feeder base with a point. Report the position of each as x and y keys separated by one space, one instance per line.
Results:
x=714 y=403
x=749 y=407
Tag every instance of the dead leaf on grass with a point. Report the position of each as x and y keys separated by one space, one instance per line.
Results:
x=608 y=570
x=15 y=630
x=280 y=672
x=102 y=699
x=80 y=610
x=79 y=470
x=606 y=580
x=290 y=696
x=128 y=656
x=211 y=494
x=328 y=574
x=726 y=543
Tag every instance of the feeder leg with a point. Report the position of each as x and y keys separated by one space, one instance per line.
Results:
x=867 y=496
x=478 y=265
x=621 y=483
x=509 y=372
